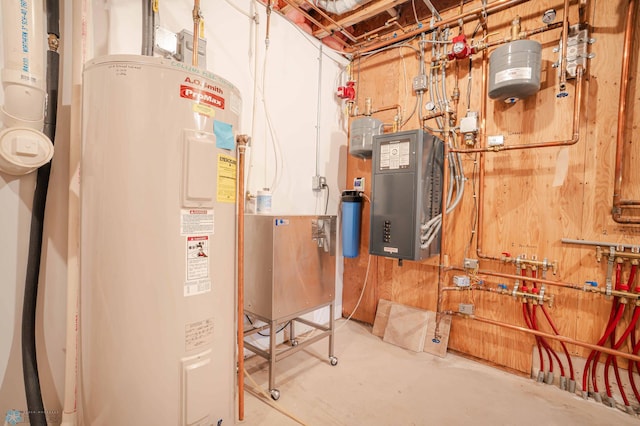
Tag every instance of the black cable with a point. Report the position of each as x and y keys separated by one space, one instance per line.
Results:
x=267 y=335
x=35 y=406
x=326 y=203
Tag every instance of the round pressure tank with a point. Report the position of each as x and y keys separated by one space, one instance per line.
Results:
x=158 y=188
x=514 y=70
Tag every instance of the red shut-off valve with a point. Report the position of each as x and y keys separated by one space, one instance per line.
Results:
x=348 y=91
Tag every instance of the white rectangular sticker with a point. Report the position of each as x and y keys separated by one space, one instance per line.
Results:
x=196 y=221
x=198 y=334
x=193 y=288
x=392 y=250
x=197 y=257
x=395 y=155
x=519 y=73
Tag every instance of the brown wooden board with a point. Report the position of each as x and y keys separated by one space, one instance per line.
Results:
x=532 y=198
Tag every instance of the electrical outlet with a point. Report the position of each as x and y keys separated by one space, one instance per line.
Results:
x=466 y=308
x=470 y=263
x=318 y=182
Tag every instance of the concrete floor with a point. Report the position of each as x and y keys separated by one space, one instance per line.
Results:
x=376 y=383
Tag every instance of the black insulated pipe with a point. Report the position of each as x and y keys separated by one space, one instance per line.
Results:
x=35 y=406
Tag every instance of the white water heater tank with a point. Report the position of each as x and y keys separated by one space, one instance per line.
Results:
x=158 y=188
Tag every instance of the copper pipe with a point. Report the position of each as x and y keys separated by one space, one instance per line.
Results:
x=560 y=338
x=196 y=31
x=481 y=169
x=563 y=51
x=616 y=211
x=443 y=211
x=519 y=277
x=525 y=34
x=397 y=107
x=564 y=142
x=494 y=7
x=242 y=141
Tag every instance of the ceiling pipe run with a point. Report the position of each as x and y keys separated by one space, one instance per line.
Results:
x=469 y=16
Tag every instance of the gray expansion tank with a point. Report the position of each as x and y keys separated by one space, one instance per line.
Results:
x=514 y=70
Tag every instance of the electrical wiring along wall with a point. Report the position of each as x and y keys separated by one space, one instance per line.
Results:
x=536 y=177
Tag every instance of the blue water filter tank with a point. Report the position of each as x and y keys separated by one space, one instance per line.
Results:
x=351 y=212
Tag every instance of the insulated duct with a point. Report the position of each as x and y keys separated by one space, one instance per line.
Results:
x=339 y=6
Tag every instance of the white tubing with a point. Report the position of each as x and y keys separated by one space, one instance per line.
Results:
x=81 y=13
x=24 y=147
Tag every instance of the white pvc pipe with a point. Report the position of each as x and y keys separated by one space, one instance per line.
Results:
x=81 y=51
x=23 y=146
x=23 y=74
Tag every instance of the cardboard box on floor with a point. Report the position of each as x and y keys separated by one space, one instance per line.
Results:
x=411 y=328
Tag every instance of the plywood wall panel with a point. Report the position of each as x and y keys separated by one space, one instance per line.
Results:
x=532 y=198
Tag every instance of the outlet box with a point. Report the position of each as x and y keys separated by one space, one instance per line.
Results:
x=420 y=83
x=466 y=308
x=318 y=182
x=496 y=140
x=461 y=281
x=470 y=263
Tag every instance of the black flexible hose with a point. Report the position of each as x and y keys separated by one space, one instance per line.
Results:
x=35 y=406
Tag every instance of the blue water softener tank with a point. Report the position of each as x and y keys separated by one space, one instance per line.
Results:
x=351 y=212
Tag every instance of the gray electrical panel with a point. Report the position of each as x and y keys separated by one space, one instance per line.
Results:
x=406 y=175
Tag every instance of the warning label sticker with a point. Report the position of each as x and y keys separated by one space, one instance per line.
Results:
x=198 y=334
x=196 y=221
x=394 y=155
x=197 y=257
x=517 y=73
x=226 y=179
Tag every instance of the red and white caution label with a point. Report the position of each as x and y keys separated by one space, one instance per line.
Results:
x=196 y=221
x=197 y=266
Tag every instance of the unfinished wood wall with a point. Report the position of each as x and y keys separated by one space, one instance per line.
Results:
x=532 y=198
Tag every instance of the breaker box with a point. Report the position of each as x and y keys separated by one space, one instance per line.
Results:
x=406 y=175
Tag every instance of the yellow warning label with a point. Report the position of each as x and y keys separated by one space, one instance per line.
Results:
x=226 y=179
x=204 y=110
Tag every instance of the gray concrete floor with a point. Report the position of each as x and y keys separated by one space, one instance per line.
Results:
x=376 y=383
